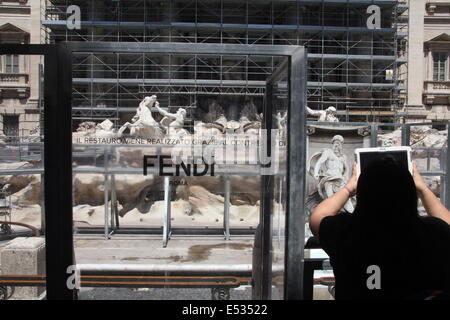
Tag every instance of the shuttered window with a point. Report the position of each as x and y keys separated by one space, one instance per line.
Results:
x=440 y=66
x=12 y=63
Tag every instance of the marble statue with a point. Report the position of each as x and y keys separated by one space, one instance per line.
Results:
x=207 y=129
x=328 y=115
x=251 y=127
x=84 y=129
x=249 y=121
x=87 y=127
x=244 y=120
x=222 y=122
x=34 y=136
x=36 y=131
x=233 y=126
x=215 y=122
x=249 y=112
x=143 y=122
x=281 y=120
x=282 y=125
x=329 y=167
x=104 y=129
x=172 y=123
x=214 y=111
x=217 y=127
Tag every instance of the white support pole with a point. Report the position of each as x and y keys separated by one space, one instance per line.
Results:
x=280 y=206
x=106 y=186
x=166 y=225
x=226 y=209
x=113 y=202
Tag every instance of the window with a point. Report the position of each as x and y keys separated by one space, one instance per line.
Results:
x=12 y=63
x=440 y=66
x=11 y=126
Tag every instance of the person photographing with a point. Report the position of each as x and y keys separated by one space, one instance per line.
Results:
x=410 y=254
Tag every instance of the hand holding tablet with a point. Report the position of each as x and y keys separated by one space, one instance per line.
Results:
x=364 y=156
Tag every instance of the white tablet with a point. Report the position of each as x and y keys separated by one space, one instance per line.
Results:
x=364 y=156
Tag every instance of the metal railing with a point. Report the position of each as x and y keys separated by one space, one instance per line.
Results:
x=102 y=159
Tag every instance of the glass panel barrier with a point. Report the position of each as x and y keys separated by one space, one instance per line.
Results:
x=429 y=142
x=175 y=181
x=168 y=172
x=22 y=212
x=280 y=105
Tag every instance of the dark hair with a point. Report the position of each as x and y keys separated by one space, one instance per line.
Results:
x=386 y=193
x=385 y=226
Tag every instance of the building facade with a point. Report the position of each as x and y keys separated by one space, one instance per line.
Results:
x=361 y=71
x=429 y=51
x=19 y=75
x=355 y=51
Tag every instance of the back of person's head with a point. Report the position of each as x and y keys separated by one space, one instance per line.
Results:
x=386 y=193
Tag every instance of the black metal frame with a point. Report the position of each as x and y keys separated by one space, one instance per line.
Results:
x=58 y=152
x=57 y=162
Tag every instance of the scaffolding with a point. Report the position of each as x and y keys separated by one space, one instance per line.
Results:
x=348 y=63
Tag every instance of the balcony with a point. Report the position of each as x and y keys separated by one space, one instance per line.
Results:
x=14 y=85
x=436 y=92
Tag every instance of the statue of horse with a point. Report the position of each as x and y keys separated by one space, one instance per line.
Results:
x=143 y=122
